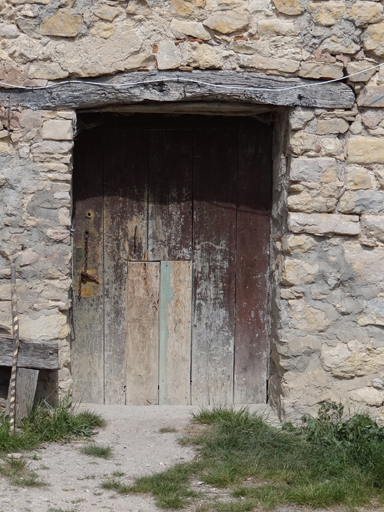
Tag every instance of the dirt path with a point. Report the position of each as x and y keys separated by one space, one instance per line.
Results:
x=74 y=479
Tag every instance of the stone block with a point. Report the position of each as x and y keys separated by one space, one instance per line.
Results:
x=326 y=13
x=371 y=96
x=181 y=7
x=323 y=224
x=367 y=395
x=296 y=272
x=106 y=12
x=226 y=23
x=373 y=226
x=329 y=126
x=307 y=318
x=45 y=327
x=57 y=130
x=102 y=29
x=276 y=27
x=367 y=264
x=365 y=150
x=371 y=118
x=320 y=70
x=373 y=39
x=302 y=141
x=322 y=200
x=336 y=45
x=52 y=147
x=365 y=13
x=168 y=55
x=298 y=243
x=203 y=56
x=357 y=178
x=269 y=64
x=8 y=31
x=361 y=68
x=28 y=257
x=183 y=28
x=361 y=201
x=46 y=70
x=62 y=24
x=373 y=313
x=299 y=117
x=289 y=7
x=313 y=169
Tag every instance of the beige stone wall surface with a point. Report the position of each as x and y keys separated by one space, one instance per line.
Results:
x=327 y=277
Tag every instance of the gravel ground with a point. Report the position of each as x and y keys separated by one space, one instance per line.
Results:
x=74 y=478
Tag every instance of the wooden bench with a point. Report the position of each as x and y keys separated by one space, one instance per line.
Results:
x=33 y=356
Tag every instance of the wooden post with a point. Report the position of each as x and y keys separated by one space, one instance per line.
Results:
x=15 y=327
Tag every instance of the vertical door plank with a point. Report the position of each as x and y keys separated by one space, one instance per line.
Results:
x=142 y=333
x=175 y=332
x=26 y=383
x=88 y=324
x=125 y=216
x=214 y=234
x=170 y=195
x=252 y=261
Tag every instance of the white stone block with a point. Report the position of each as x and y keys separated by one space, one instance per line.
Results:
x=57 y=130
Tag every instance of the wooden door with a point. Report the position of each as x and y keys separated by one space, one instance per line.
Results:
x=172 y=221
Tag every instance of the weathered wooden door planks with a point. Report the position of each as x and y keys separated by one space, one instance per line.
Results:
x=181 y=252
x=142 y=339
x=214 y=229
x=175 y=332
x=88 y=312
x=252 y=263
x=125 y=233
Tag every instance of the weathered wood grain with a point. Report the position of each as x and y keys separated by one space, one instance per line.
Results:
x=175 y=332
x=142 y=334
x=125 y=237
x=181 y=89
x=170 y=195
x=88 y=317
x=26 y=382
x=214 y=231
x=254 y=202
x=32 y=354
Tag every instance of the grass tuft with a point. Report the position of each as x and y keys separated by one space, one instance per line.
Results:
x=17 y=472
x=48 y=424
x=324 y=462
x=104 y=452
x=167 y=430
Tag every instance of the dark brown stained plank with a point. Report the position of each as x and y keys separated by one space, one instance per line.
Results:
x=26 y=382
x=254 y=201
x=88 y=343
x=125 y=218
x=32 y=354
x=214 y=233
x=170 y=195
x=142 y=331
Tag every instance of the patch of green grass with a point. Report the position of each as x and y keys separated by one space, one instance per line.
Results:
x=167 y=430
x=48 y=424
x=324 y=462
x=104 y=452
x=17 y=472
x=63 y=510
x=118 y=474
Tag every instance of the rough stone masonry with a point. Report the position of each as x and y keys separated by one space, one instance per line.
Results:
x=327 y=277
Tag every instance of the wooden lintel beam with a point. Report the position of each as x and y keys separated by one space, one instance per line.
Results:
x=176 y=86
x=38 y=355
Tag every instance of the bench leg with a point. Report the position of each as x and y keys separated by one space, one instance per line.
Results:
x=26 y=383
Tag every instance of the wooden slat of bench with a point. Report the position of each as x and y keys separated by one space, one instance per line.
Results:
x=39 y=355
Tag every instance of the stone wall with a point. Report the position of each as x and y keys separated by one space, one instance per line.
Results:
x=327 y=286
